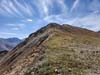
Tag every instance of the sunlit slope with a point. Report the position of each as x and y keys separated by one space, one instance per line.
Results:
x=55 y=50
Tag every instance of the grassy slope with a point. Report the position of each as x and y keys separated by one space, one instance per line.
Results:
x=70 y=54
x=70 y=50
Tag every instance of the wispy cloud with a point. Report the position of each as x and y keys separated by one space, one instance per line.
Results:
x=10 y=24
x=74 y=5
x=16 y=15
x=5 y=7
x=7 y=33
x=53 y=18
x=15 y=8
x=47 y=7
x=17 y=26
x=29 y=20
x=2 y=12
x=95 y=6
x=91 y=22
x=64 y=6
x=25 y=9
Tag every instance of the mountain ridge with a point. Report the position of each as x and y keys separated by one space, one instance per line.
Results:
x=49 y=48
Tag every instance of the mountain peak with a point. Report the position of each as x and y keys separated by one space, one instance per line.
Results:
x=46 y=29
x=66 y=28
x=61 y=48
x=53 y=25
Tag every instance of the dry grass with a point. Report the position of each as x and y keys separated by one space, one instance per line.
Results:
x=71 y=55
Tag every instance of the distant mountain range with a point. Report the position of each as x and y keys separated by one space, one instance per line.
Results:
x=9 y=43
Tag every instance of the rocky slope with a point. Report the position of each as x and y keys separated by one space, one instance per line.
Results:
x=55 y=50
x=3 y=53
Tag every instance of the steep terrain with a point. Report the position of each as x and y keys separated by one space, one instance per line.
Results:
x=3 y=53
x=55 y=50
x=9 y=43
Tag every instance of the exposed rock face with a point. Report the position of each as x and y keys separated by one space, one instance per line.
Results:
x=55 y=49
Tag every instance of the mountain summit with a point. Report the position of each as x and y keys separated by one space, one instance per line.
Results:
x=55 y=50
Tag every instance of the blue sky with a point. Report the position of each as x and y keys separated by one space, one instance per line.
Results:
x=19 y=18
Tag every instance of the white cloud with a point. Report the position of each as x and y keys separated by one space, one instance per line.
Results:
x=91 y=22
x=17 y=26
x=5 y=7
x=7 y=33
x=10 y=24
x=95 y=6
x=42 y=7
x=45 y=7
x=29 y=20
x=24 y=9
x=15 y=8
x=54 y=18
x=64 y=7
x=74 y=5
x=2 y=12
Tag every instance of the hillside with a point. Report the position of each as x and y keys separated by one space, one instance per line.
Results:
x=9 y=43
x=3 y=53
x=55 y=50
